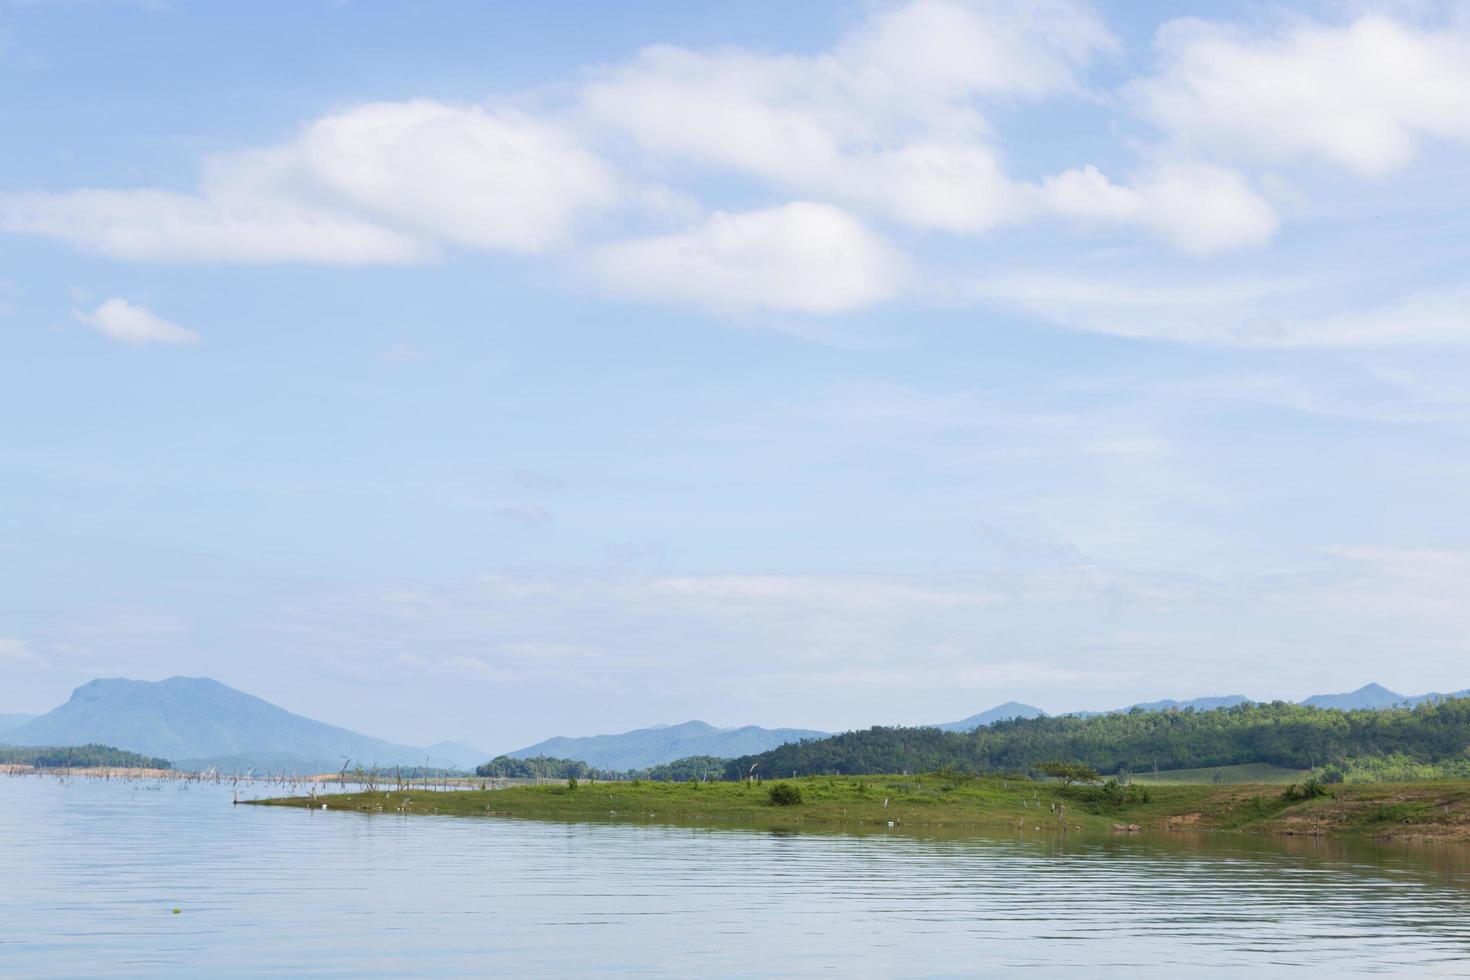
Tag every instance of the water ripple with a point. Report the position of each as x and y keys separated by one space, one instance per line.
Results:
x=90 y=871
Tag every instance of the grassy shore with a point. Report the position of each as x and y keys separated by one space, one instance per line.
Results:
x=1422 y=811
x=1250 y=774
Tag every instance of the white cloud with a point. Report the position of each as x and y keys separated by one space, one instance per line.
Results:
x=889 y=122
x=888 y=125
x=482 y=179
x=945 y=49
x=151 y=225
x=381 y=183
x=800 y=257
x=1235 y=312
x=1198 y=208
x=17 y=653
x=1363 y=95
x=119 y=320
x=885 y=121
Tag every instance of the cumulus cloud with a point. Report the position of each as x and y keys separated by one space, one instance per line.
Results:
x=886 y=121
x=1362 y=95
x=472 y=177
x=1198 y=208
x=801 y=257
x=890 y=122
x=381 y=183
x=945 y=48
x=887 y=131
x=117 y=319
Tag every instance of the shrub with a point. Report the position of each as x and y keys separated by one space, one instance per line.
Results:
x=1112 y=795
x=785 y=794
x=1309 y=790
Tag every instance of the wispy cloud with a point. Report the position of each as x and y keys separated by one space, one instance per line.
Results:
x=380 y=183
x=117 y=319
x=527 y=515
x=1250 y=312
x=18 y=653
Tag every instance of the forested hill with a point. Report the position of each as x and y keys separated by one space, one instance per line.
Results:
x=655 y=746
x=77 y=756
x=1290 y=735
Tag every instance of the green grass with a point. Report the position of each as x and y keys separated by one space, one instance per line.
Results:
x=1256 y=773
x=1438 y=810
x=872 y=801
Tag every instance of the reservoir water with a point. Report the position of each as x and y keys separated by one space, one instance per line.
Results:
x=91 y=871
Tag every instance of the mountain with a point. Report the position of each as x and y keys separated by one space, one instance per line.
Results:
x=664 y=743
x=1198 y=704
x=457 y=754
x=197 y=723
x=1001 y=712
x=1435 y=697
x=1367 y=696
x=9 y=722
x=1377 y=696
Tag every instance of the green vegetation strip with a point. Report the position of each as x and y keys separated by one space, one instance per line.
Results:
x=77 y=757
x=1429 y=810
x=1431 y=739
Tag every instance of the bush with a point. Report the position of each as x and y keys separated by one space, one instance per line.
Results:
x=1310 y=790
x=1112 y=795
x=785 y=794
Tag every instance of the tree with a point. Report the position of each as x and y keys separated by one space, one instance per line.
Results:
x=1069 y=772
x=785 y=794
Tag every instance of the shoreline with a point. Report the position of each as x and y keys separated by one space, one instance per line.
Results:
x=1425 y=811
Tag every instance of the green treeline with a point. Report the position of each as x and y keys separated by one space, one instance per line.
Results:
x=694 y=768
x=536 y=767
x=1282 y=734
x=77 y=756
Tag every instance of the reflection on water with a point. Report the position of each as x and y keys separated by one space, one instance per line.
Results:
x=89 y=872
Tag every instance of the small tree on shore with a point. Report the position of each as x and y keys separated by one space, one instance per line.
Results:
x=785 y=794
x=1069 y=772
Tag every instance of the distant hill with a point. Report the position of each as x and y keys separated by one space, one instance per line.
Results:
x=1367 y=696
x=77 y=756
x=664 y=743
x=1291 y=736
x=11 y=722
x=1198 y=704
x=198 y=722
x=1001 y=712
x=1378 y=696
x=1434 y=697
x=457 y=754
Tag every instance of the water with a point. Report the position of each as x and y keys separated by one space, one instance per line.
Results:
x=90 y=871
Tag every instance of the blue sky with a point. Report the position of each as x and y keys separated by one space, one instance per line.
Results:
x=495 y=371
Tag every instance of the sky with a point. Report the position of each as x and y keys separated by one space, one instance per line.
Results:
x=495 y=371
